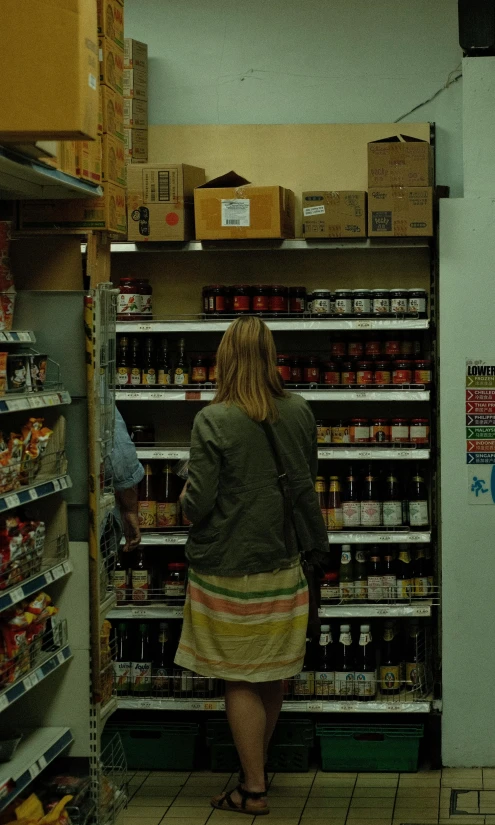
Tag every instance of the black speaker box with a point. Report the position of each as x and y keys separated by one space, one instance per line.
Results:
x=477 y=27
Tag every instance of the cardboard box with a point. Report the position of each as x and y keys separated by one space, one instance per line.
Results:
x=88 y=160
x=136 y=144
x=100 y=108
x=110 y=16
x=49 y=70
x=113 y=160
x=334 y=214
x=400 y=161
x=135 y=114
x=160 y=203
x=135 y=83
x=135 y=54
x=111 y=64
x=113 y=113
x=65 y=157
x=230 y=207
x=107 y=213
x=400 y=211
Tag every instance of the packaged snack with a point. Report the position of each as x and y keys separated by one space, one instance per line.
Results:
x=37 y=606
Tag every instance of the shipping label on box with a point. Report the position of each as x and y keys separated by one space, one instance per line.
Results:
x=400 y=211
x=400 y=161
x=113 y=163
x=88 y=160
x=135 y=83
x=136 y=144
x=110 y=15
x=135 y=54
x=334 y=214
x=113 y=113
x=108 y=213
x=111 y=64
x=135 y=114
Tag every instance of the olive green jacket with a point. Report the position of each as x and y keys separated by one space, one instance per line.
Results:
x=234 y=499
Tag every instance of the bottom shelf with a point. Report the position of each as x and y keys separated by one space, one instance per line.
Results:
x=37 y=749
x=310 y=706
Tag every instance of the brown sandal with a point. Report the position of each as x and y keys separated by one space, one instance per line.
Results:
x=218 y=802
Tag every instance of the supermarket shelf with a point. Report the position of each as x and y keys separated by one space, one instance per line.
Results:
x=309 y=395
x=14 y=692
x=311 y=706
x=107 y=604
x=17 y=336
x=163 y=538
x=337 y=537
x=289 y=325
x=37 y=749
x=26 y=495
x=338 y=611
x=33 y=400
x=325 y=453
x=22 y=177
x=108 y=708
x=295 y=244
x=34 y=584
x=164 y=453
x=107 y=504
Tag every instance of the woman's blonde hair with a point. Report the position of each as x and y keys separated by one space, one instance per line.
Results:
x=247 y=375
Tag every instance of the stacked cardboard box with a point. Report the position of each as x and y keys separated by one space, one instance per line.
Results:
x=135 y=101
x=400 y=181
x=334 y=214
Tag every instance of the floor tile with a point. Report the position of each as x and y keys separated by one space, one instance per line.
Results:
x=146 y=811
x=421 y=793
x=283 y=813
x=372 y=802
x=366 y=821
x=377 y=780
x=204 y=792
x=323 y=776
x=419 y=780
x=194 y=820
x=370 y=813
x=279 y=793
x=284 y=779
x=150 y=801
x=190 y=802
x=414 y=802
x=189 y=813
x=138 y=820
x=158 y=790
x=334 y=782
x=326 y=790
x=176 y=774
x=289 y=821
x=333 y=807
x=314 y=816
x=466 y=820
x=219 y=817
x=371 y=793
x=208 y=778
x=286 y=801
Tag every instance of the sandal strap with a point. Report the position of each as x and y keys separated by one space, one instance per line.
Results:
x=249 y=794
x=228 y=799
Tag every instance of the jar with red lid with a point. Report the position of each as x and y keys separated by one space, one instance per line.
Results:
x=402 y=372
x=129 y=301
x=330 y=589
x=296 y=369
x=380 y=430
x=338 y=348
x=359 y=431
x=399 y=431
x=392 y=347
x=297 y=300
x=330 y=373
x=199 y=369
x=355 y=348
x=383 y=373
x=229 y=300
x=419 y=431
x=174 y=584
x=216 y=299
x=311 y=371
x=146 y=291
x=279 y=300
x=212 y=370
x=283 y=367
x=422 y=372
x=348 y=374
x=241 y=294
x=206 y=299
x=406 y=347
x=373 y=347
x=261 y=299
x=364 y=372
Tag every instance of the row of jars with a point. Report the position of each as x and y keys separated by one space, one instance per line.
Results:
x=275 y=300
x=374 y=431
x=310 y=369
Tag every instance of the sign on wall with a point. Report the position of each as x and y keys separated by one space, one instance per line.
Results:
x=480 y=431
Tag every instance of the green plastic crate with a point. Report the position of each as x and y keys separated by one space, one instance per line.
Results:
x=287 y=732
x=355 y=747
x=289 y=750
x=157 y=747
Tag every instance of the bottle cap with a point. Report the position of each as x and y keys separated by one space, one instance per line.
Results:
x=325 y=628
x=365 y=628
x=345 y=628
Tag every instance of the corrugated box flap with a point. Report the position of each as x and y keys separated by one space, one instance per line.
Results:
x=399 y=139
x=230 y=179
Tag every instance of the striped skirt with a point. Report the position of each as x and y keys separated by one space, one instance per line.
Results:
x=245 y=628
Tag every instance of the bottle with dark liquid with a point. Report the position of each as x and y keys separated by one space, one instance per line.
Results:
x=418 y=501
x=392 y=501
x=344 y=665
x=390 y=676
x=135 y=376
x=375 y=578
x=120 y=579
x=163 y=365
x=346 y=574
x=181 y=370
x=322 y=494
x=148 y=366
x=335 y=516
x=371 y=502
x=351 y=502
x=389 y=579
x=420 y=584
x=141 y=666
x=325 y=668
x=365 y=673
x=140 y=577
x=123 y=362
x=167 y=507
x=404 y=574
x=415 y=661
x=147 y=497
x=360 y=576
x=163 y=663
x=122 y=662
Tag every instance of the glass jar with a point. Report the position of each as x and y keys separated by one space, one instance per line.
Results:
x=337 y=347
x=383 y=373
x=399 y=431
x=355 y=348
x=419 y=432
x=296 y=370
x=380 y=430
x=261 y=299
x=322 y=303
x=323 y=432
x=309 y=302
x=212 y=370
x=332 y=303
x=398 y=301
x=216 y=299
x=359 y=431
x=146 y=299
x=340 y=432
x=392 y=347
x=364 y=373
x=373 y=347
x=330 y=373
x=297 y=300
x=380 y=302
x=402 y=372
x=361 y=302
x=283 y=367
x=229 y=300
x=348 y=374
x=343 y=302
x=143 y=434
x=311 y=371
x=206 y=299
x=174 y=585
x=241 y=294
x=406 y=347
x=417 y=302
x=279 y=300
x=422 y=372
x=329 y=588
x=129 y=300
x=199 y=369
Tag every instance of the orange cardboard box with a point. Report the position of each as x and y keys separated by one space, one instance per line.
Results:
x=230 y=207
x=160 y=201
x=135 y=114
x=113 y=112
x=400 y=211
x=400 y=160
x=136 y=144
x=135 y=83
x=110 y=15
x=88 y=160
x=111 y=64
x=135 y=54
x=113 y=161
x=334 y=214
x=63 y=216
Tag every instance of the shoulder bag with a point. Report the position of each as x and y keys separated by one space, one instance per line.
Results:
x=311 y=570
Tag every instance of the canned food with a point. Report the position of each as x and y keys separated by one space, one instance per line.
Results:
x=330 y=374
x=323 y=432
x=297 y=300
x=373 y=347
x=355 y=348
x=359 y=431
x=361 y=301
x=261 y=298
x=416 y=302
x=348 y=374
x=278 y=300
x=364 y=372
x=392 y=347
x=398 y=301
x=311 y=371
x=343 y=302
x=321 y=302
x=337 y=348
x=383 y=374
x=380 y=302
x=422 y=372
x=402 y=372
x=283 y=367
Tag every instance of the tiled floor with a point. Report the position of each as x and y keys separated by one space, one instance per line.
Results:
x=165 y=798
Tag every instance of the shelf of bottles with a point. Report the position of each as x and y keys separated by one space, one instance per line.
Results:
x=336 y=452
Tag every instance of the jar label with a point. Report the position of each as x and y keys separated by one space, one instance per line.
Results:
x=321 y=306
x=149 y=377
x=163 y=378
x=346 y=591
x=355 y=349
x=380 y=306
x=181 y=377
x=296 y=375
x=135 y=377
x=212 y=374
x=241 y=302
x=344 y=683
x=311 y=374
x=119 y=581
x=415 y=674
x=420 y=434
x=365 y=683
x=284 y=372
x=348 y=378
x=417 y=306
x=129 y=303
x=392 y=513
x=337 y=349
x=375 y=588
x=351 y=511
x=383 y=377
x=380 y=434
x=335 y=518
x=324 y=683
x=420 y=586
x=198 y=375
x=402 y=377
x=340 y=435
x=323 y=435
x=422 y=376
x=373 y=347
x=362 y=306
x=390 y=677
x=167 y=514
x=418 y=513
x=371 y=513
x=399 y=432
x=330 y=593
x=122 y=675
x=403 y=589
x=389 y=588
x=398 y=305
x=297 y=305
x=343 y=306
x=141 y=677
x=147 y=513
x=364 y=377
x=140 y=585
x=260 y=303
x=331 y=378
x=278 y=303
x=123 y=376
x=147 y=306
x=304 y=684
x=360 y=590
x=175 y=590
x=360 y=434
x=392 y=347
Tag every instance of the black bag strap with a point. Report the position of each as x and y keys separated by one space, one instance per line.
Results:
x=284 y=484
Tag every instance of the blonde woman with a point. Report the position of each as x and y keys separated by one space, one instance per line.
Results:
x=246 y=611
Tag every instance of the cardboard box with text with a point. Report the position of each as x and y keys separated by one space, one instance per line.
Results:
x=113 y=160
x=135 y=54
x=160 y=203
x=108 y=213
x=111 y=64
x=135 y=84
x=400 y=211
x=400 y=160
x=136 y=144
x=135 y=114
x=110 y=15
x=113 y=112
x=88 y=160
x=334 y=214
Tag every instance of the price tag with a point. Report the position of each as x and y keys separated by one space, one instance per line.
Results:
x=24 y=336
x=28 y=682
x=172 y=540
x=32 y=494
x=415 y=537
x=34 y=771
x=422 y=611
x=145 y=327
x=136 y=611
x=145 y=704
x=56 y=484
x=212 y=705
x=4 y=702
x=66 y=566
x=347 y=707
x=16 y=405
x=403 y=453
x=383 y=611
x=9 y=336
x=60 y=658
x=193 y=396
x=171 y=454
x=58 y=572
x=364 y=324
x=364 y=453
x=42 y=763
x=16 y=595
x=133 y=396
x=315 y=707
x=12 y=500
x=38 y=402
x=196 y=706
x=63 y=483
x=51 y=400
x=361 y=394
x=48 y=577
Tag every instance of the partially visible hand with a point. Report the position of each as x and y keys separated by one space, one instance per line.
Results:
x=184 y=491
x=132 y=532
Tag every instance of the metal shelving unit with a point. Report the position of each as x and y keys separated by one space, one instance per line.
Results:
x=15 y=402
x=291 y=245
x=22 y=177
x=342 y=453
x=311 y=706
x=186 y=324
x=37 y=749
x=199 y=394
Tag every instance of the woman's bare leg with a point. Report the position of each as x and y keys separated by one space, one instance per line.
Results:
x=272 y=696
x=247 y=720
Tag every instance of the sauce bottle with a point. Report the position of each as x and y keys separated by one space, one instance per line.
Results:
x=167 y=509
x=392 y=501
x=389 y=579
x=351 y=504
x=162 y=364
x=141 y=667
x=375 y=579
x=163 y=663
x=325 y=668
x=123 y=362
x=389 y=674
x=346 y=574
x=148 y=365
x=344 y=665
x=335 y=517
x=304 y=682
x=181 y=371
x=365 y=672
x=140 y=578
x=418 y=501
x=122 y=661
x=404 y=575
x=415 y=661
x=135 y=363
x=147 y=499
x=360 y=576
x=420 y=583
x=120 y=579
x=371 y=505
x=322 y=494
